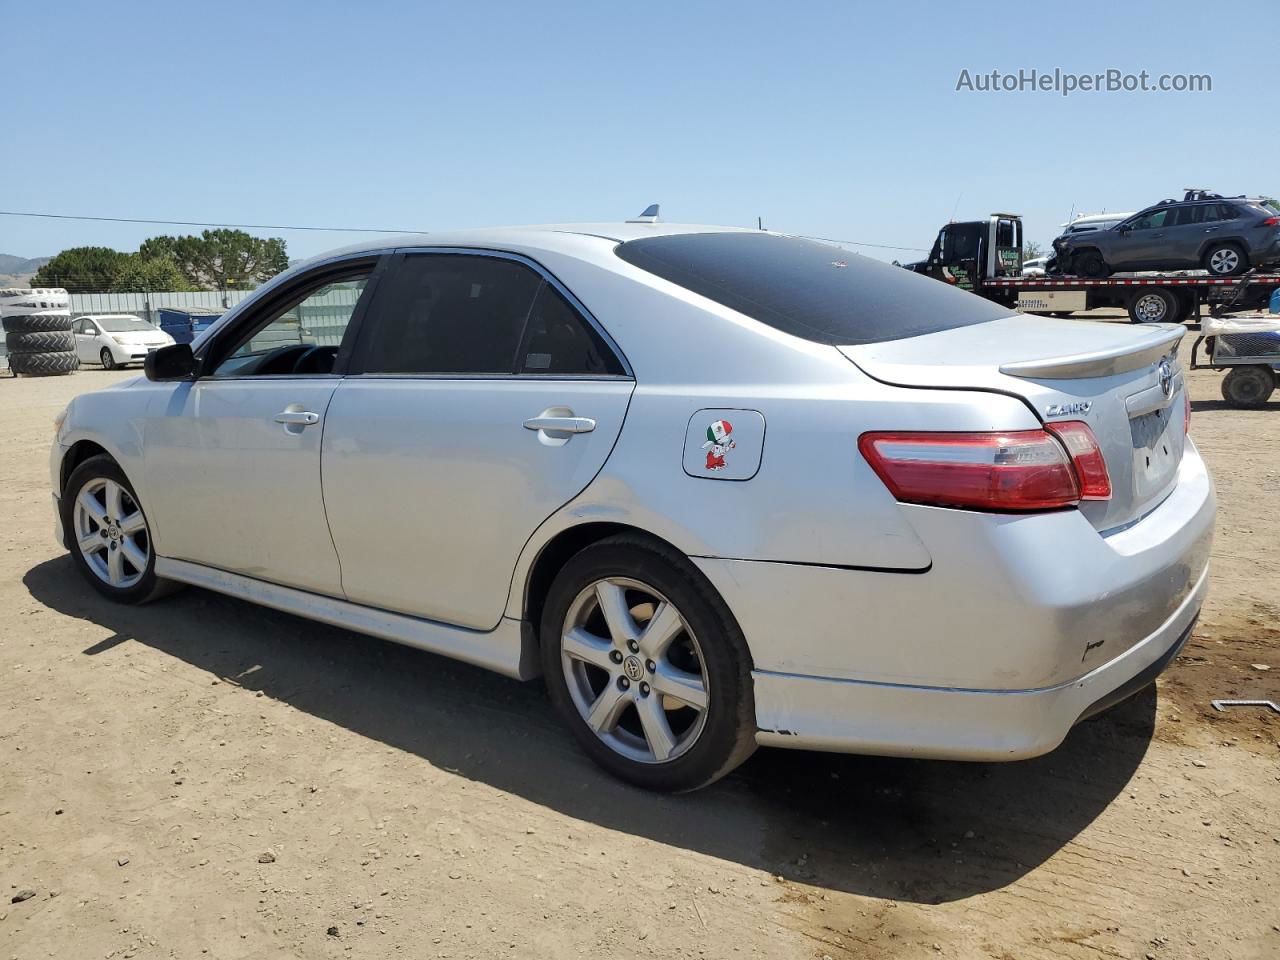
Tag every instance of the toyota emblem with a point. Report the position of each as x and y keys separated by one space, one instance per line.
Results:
x=1166 y=377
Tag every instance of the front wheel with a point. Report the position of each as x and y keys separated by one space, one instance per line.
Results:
x=647 y=666
x=108 y=359
x=108 y=533
x=1090 y=264
x=1248 y=387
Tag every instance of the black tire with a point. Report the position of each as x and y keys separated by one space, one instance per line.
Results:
x=1156 y=305
x=102 y=467
x=727 y=736
x=108 y=359
x=1248 y=388
x=1089 y=263
x=43 y=364
x=1226 y=260
x=37 y=324
x=59 y=342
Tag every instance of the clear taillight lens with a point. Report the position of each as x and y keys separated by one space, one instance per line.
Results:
x=1017 y=470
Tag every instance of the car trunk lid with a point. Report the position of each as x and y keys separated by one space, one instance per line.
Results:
x=1124 y=382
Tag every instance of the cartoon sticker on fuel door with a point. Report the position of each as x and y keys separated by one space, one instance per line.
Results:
x=719 y=442
x=724 y=443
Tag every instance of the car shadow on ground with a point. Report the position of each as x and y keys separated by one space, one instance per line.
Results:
x=914 y=830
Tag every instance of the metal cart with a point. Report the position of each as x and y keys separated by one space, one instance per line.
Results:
x=1248 y=348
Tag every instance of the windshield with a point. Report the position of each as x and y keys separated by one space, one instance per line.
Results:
x=817 y=291
x=125 y=325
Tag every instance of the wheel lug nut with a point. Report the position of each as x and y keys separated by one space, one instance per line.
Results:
x=644 y=689
x=633 y=646
x=623 y=682
x=616 y=656
x=651 y=666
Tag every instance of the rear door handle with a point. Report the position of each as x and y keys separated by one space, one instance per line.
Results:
x=561 y=424
x=301 y=417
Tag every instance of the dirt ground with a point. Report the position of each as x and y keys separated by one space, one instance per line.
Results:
x=202 y=777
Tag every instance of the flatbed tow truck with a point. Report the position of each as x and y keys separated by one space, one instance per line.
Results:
x=985 y=257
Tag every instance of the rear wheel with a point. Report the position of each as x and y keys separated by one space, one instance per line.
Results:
x=1154 y=306
x=1089 y=263
x=1248 y=387
x=108 y=533
x=647 y=666
x=1226 y=260
x=108 y=359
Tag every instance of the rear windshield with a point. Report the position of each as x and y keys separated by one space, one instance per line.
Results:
x=813 y=290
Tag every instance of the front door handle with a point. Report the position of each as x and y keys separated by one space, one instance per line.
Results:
x=302 y=418
x=555 y=425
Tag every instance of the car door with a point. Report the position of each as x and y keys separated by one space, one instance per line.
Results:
x=481 y=398
x=1137 y=242
x=232 y=459
x=86 y=340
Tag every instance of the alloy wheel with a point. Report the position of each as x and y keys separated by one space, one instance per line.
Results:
x=634 y=670
x=1225 y=261
x=111 y=532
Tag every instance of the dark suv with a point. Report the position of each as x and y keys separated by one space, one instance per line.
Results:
x=1225 y=236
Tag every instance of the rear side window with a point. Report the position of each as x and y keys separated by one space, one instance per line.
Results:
x=450 y=313
x=559 y=342
x=812 y=290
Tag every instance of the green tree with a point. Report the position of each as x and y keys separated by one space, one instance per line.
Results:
x=81 y=269
x=139 y=274
x=1031 y=251
x=221 y=259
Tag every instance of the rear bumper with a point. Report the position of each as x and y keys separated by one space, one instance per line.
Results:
x=849 y=716
x=1021 y=626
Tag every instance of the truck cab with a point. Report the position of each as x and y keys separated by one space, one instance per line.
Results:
x=969 y=253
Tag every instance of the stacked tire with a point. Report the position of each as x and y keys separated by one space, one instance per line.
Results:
x=40 y=345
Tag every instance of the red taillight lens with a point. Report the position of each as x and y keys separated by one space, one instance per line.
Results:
x=1017 y=470
x=1186 y=410
x=1091 y=467
x=1270 y=222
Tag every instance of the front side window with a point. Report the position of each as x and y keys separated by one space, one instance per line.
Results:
x=1149 y=221
x=301 y=338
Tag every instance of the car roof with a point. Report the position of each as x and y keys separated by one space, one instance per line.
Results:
x=108 y=316
x=569 y=238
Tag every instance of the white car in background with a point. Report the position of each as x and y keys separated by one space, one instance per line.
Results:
x=1034 y=268
x=116 y=339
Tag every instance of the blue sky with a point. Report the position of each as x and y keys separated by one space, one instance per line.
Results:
x=836 y=119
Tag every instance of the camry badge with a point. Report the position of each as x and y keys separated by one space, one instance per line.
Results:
x=1068 y=409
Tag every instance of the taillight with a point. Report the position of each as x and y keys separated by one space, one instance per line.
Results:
x=1016 y=470
x=1186 y=410
x=1086 y=455
x=1270 y=222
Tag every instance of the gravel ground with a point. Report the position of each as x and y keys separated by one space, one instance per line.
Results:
x=201 y=777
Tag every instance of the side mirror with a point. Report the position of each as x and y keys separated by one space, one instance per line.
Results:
x=1123 y=228
x=174 y=362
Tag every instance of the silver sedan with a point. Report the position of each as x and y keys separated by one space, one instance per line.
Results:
x=719 y=487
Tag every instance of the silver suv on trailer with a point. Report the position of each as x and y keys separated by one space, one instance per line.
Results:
x=1225 y=236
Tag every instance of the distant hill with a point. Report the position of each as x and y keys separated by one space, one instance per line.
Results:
x=18 y=271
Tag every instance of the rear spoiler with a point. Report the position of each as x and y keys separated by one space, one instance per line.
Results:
x=1158 y=342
